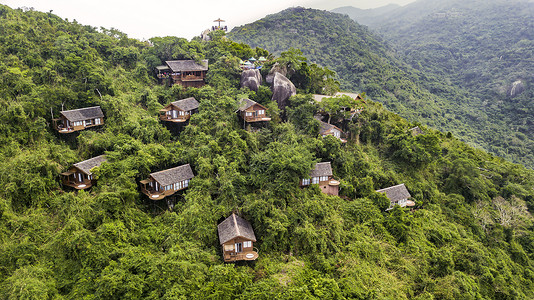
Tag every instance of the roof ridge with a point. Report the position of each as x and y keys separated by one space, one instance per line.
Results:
x=166 y=170
x=81 y=108
x=390 y=187
x=238 y=233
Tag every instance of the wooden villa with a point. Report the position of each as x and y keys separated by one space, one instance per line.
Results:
x=237 y=237
x=79 y=119
x=167 y=182
x=329 y=129
x=179 y=111
x=251 y=111
x=79 y=176
x=322 y=175
x=397 y=195
x=186 y=73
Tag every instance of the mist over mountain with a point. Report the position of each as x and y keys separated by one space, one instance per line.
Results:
x=485 y=48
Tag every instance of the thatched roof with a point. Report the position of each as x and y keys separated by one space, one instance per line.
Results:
x=235 y=226
x=321 y=169
x=325 y=127
x=396 y=193
x=187 y=65
x=86 y=165
x=247 y=103
x=173 y=175
x=187 y=104
x=82 y=114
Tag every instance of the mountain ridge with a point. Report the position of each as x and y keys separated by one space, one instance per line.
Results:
x=365 y=63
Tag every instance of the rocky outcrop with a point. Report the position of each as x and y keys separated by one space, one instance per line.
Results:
x=275 y=69
x=516 y=89
x=282 y=89
x=251 y=79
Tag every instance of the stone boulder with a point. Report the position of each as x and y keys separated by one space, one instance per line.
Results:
x=516 y=89
x=282 y=89
x=251 y=79
x=275 y=69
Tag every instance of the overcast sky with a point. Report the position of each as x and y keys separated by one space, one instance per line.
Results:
x=184 y=18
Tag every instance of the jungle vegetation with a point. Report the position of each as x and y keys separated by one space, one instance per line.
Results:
x=451 y=73
x=471 y=238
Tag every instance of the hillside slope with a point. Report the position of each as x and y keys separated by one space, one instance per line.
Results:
x=482 y=47
x=364 y=63
x=470 y=238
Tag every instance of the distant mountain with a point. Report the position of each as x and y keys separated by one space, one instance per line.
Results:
x=366 y=16
x=483 y=47
x=365 y=63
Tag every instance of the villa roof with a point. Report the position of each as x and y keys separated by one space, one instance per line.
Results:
x=235 y=226
x=247 y=103
x=86 y=165
x=82 y=114
x=396 y=193
x=187 y=104
x=173 y=175
x=187 y=65
x=325 y=127
x=321 y=169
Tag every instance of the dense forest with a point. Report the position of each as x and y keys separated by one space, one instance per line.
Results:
x=471 y=236
x=363 y=61
x=481 y=47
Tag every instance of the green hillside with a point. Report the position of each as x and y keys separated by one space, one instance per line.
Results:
x=482 y=47
x=364 y=63
x=470 y=238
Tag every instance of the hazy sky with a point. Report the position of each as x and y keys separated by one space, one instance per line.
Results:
x=146 y=19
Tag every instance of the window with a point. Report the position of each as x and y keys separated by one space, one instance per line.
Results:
x=249 y=114
x=97 y=121
x=261 y=112
x=337 y=133
x=306 y=181
x=78 y=123
x=238 y=247
x=182 y=113
x=323 y=178
x=247 y=244
x=186 y=183
x=315 y=180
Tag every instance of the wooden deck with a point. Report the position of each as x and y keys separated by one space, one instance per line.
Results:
x=152 y=194
x=257 y=119
x=78 y=185
x=179 y=119
x=248 y=255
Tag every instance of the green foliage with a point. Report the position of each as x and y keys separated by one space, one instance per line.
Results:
x=471 y=239
x=459 y=86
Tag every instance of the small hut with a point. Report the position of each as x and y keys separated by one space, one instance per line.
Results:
x=167 y=182
x=329 y=129
x=252 y=111
x=79 y=176
x=187 y=73
x=79 y=119
x=397 y=195
x=322 y=175
x=179 y=111
x=236 y=237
